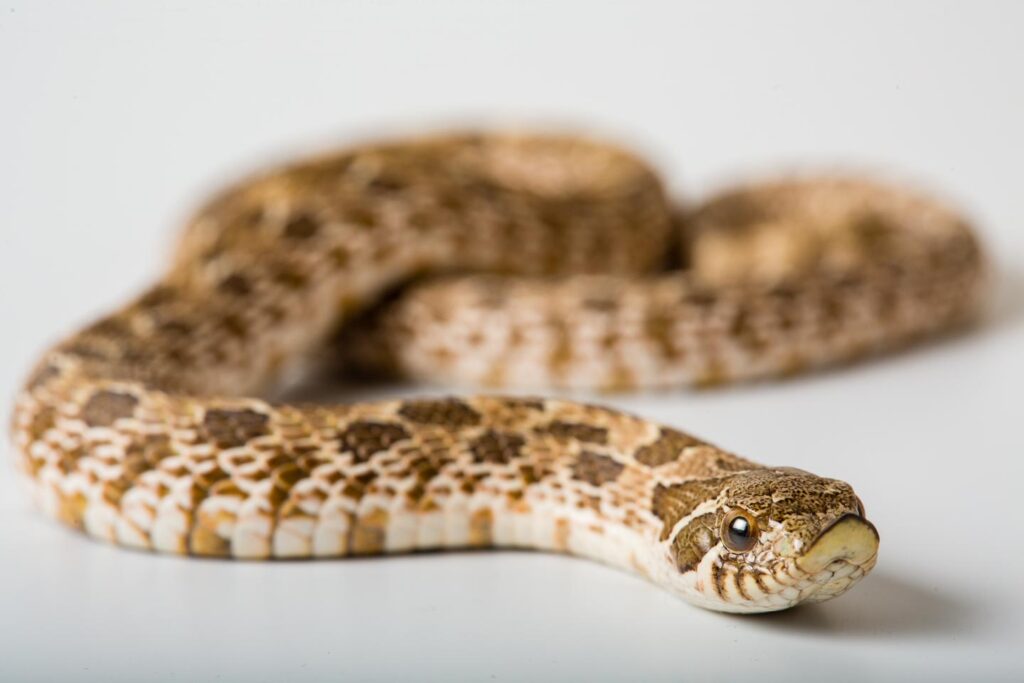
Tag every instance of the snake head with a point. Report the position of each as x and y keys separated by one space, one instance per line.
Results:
x=770 y=539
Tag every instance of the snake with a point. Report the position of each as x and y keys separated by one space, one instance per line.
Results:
x=507 y=259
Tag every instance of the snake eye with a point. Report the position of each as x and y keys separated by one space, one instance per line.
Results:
x=739 y=531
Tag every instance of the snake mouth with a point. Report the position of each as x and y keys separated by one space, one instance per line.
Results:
x=850 y=539
x=841 y=555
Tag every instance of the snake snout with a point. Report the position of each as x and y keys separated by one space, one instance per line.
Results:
x=851 y=539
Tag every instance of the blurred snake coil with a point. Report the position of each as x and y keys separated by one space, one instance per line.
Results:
x=510 y=261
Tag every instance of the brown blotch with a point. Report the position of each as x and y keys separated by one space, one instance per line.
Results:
x=176 y=327
x=287 y=475
x=235 y=284
x=290 y=277
x=366 y=477
x=105 y=407
x=234 y=325
x=386 y=184
x=528 y=403
x=700 y=298
x=832 y=310
x=364 y=438
x=448 y=412
x=496 y=447
x=42 y=421
x=600 y=304
x=416 y=492
x=575 y=430
x=206 y=480
x=354 y=490
x=207 y=542
x=660 y=328
x=109 y=327
x=369 y=532
x=158 y=296
x=71 y=509
x=529 y=474
x=425 y=468
x=743 y=329
x=671 y=503
x=667 y=448
x=596 y=469
x=360 y=216
x=69 y=459
x=146 y=453
x=113 y=491
x=339 y=256
x=301 y=227
x=694 y=541
x=480 y=524
x=231 y=428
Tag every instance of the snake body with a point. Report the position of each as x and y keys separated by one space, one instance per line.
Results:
x=142 y=428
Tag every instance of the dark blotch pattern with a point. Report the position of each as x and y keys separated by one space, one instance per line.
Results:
x=111 y=328
x=576 y=430
x=236 y=285
x=234 y=325
x=694 y=541
x=177 y=327
x=601 y=305
x=496 y=447
x=231 y=428
x=447 y=412
x=660 y=328
x=671 y=503
x=666 y=448
x=158 y=296
x=289 y=277
x=596 y=469
x=105 y=407
x=301 y=227
x=527 y=403
x=364 y=438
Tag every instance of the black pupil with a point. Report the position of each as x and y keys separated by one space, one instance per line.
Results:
x=740 y=529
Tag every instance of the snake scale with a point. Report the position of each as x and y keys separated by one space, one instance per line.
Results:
x=541 y=261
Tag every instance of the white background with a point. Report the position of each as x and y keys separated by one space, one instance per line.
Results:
x=117 y=118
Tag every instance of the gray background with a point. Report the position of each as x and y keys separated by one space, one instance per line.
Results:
x=117 y=118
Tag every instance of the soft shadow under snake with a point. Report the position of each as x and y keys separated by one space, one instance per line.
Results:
x=887 y=605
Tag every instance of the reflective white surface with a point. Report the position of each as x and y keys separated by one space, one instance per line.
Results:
x=116 y=118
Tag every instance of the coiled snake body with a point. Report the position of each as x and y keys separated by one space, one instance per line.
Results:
x=140 y=429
